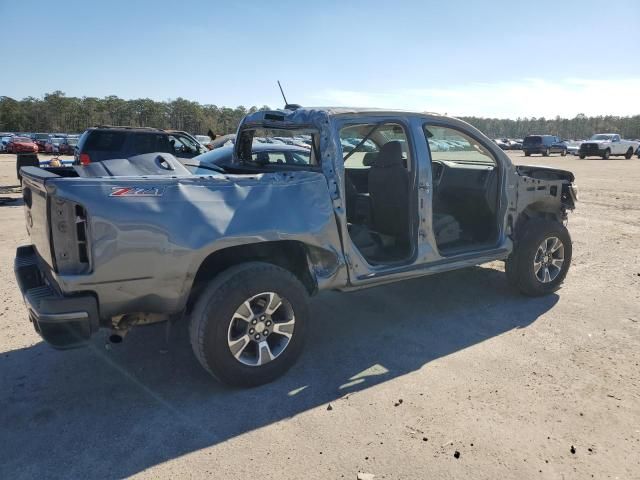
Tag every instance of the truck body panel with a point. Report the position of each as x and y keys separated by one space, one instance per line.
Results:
x=136 y=243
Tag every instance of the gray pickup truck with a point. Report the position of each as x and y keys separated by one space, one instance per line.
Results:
x=238 y=250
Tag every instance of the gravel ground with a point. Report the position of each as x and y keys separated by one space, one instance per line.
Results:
x=451 y=376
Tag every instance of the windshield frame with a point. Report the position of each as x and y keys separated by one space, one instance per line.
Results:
x=602 y=136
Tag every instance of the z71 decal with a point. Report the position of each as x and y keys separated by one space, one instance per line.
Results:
x=137 y=191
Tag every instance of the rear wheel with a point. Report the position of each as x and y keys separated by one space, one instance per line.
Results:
x=563 y=153
x=606 y=154
x=541 y=258
x=629 y=154
x=249 y=324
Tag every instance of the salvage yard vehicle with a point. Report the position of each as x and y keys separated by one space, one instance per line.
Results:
x=544 y=145
x=239 y=250
x=52 y=145
x=107 y=142
x=263 y=154
x=4 y=142
x=204 y=140
x=41 y=140
x=606 y=145
x=185 y=145
x=68 y=145
x=19 y=144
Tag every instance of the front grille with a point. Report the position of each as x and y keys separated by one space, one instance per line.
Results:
x=589 y=148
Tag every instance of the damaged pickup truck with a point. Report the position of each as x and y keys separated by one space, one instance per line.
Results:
x=238 y=250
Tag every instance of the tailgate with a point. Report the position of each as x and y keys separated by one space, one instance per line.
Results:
x=36 y=210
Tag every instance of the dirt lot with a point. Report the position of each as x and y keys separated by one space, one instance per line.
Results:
x=414 y=372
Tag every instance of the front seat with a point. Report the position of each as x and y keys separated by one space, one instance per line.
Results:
x=389 y=192
x=262 y=158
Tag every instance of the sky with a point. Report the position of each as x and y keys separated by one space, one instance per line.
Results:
x=494 y=58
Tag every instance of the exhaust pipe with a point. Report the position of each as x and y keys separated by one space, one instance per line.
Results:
x=117 y=336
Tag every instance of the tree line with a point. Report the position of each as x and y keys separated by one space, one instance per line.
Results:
x=55 y=112
x=577 y=128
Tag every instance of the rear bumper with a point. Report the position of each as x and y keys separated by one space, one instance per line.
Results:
x=533 y=149
x=62 y=321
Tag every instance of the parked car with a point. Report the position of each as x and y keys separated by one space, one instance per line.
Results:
x=515 y=144
x=107 y=142
x=52 y=145
x=68 y=145
x=503 y=143
x=204 y=140
x=544 y=145
x=4 y=142
x=573 y=146
x=239 y=252
x=41 y=140
x=263 y=154
x=185 y=145
x=606 y=145
x=21 y=145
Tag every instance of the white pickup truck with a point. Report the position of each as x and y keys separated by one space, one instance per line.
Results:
x=607 y=144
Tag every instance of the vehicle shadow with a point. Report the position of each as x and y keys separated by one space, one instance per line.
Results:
x=111 y=413
x=9 y=195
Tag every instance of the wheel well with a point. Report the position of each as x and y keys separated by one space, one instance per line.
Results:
x=532 y=214
x=288 y=254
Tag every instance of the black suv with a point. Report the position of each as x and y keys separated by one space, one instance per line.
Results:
x=544 y=144
x=107 y=142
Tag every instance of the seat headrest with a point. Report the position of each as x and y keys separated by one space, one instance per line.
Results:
x=390 y=155
x=369 y=158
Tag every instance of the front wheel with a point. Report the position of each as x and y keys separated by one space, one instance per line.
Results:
x=606 y=154
x=547 y=152
x=582 y=157
x=629 y=154
x=249 y=324
x=541 y=258
x=563 y=153
x=527 y=154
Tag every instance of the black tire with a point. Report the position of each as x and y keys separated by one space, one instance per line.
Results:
x=563 y=153
x=215 y=308
x=546 y=153
x=606 y=154
x=629 y=154
x=527 y=154
x=519 y=267
x=582 y=156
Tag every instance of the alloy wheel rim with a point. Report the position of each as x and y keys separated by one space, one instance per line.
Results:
x=548 y=260
x=261 y=329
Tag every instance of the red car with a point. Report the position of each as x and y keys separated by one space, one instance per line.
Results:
x=53 y=145
x=67 y=146
x=40 y=139
x=22 y=145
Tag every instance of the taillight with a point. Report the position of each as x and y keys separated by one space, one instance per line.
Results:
x=85 y=159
